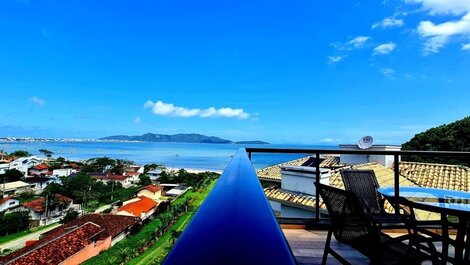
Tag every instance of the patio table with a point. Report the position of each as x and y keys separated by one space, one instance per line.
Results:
x=446 y=203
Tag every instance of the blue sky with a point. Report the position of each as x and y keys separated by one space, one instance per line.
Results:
x=308 y=72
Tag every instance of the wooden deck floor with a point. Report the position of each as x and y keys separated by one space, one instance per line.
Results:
x=308 y=248
x=308 y=245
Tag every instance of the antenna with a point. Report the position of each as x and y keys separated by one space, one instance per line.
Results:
x=365 y=142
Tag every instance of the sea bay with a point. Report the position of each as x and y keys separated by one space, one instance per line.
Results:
x=198 y=156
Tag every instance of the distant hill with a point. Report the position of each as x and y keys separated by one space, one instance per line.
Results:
x=176 y=138
x=448 y=137
x=251 y=142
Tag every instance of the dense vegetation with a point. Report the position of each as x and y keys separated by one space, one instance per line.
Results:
x=90 y=192
x=448 y=137
x=13 y=222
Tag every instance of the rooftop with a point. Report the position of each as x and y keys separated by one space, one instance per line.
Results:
x=38 y=205
x=54 y=250
x=141 y=205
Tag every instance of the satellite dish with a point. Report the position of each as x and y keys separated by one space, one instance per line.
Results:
x=365 y=142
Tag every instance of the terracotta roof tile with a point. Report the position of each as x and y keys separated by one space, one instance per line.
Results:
x=112 y=224
x=38 y=205
x=153 y=188
x=55 y=250
x=41 y=167
x=143 y=205
x=452 y=177
x=3 y=200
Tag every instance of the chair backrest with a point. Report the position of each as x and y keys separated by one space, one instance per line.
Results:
x=364 y=184
x=346 y=214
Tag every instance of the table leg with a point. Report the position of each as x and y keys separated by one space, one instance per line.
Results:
x=460 y=241
x=445 y=239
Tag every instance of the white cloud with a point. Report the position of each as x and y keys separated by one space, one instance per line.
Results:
x=443 y=7
x=37 y=101
x=359 y=41
x=168 y=109
x=388 y=72
x=466 y=46
x=330 y=140
x=137 y=120
x=335 y=59
x=388 y=22
x=384 y=48
x=438 y=35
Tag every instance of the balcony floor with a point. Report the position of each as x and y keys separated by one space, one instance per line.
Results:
x=308 y=246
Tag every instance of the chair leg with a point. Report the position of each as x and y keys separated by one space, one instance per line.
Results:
x=327 y=247
x=329 y=250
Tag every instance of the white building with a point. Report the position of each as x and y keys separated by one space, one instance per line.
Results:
x=352 y=159
x=23 y=164
x=7 y=203
x=63 y=172
x=14 y=187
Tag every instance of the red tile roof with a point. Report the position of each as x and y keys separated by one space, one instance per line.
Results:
x=112 y=224
x=38 y=205
x=152 y=188
x=41 y=167
x=136 y=208
x=55 y=250
x=2 y=200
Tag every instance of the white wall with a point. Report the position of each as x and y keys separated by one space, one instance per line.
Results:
x=386 y=160
x=293 y=212
x=301 y=179
x=8 y=204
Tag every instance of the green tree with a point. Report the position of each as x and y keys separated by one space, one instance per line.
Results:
x=11 y=175
x=20 y=153
x=144 y=180
x=46 y=153
x=69 y=216
x=448 y=137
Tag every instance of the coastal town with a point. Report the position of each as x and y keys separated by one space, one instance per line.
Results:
x=57 y=211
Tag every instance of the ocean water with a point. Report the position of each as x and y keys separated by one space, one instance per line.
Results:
x=175 y=155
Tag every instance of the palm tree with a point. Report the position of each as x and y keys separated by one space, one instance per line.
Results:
x=124 y=253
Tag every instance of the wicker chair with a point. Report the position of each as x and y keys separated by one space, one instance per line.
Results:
x=352 y=226
x=364 y=185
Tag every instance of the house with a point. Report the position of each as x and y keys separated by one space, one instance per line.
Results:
x=106 y=177
x=40 y=170
x=14 y=187
x=56 y=208
x=4 y=168
x=63 y=172
x=153 y=192
x=154 y=174
x=134 y=172
x=8 y=202
x=74 y=242
x=39 y=183
x=141 y=207
x=23 y=164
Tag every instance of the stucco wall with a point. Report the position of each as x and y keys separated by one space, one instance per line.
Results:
x=88 y=252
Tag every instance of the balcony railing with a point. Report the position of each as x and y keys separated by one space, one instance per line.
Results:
x=236 y=224
x=317 y=222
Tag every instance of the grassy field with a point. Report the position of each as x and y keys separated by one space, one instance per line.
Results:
x=157 y=253
x=160 y=249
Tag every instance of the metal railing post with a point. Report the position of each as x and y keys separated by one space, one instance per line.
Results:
x=317 y=179
x=396 y=181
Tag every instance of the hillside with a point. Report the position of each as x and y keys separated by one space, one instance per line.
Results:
x=176 y=138
x=448 y=137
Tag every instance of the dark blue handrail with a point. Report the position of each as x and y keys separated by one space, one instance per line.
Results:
x=234 y=225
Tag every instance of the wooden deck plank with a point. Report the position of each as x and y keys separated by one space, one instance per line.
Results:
x=307 y=247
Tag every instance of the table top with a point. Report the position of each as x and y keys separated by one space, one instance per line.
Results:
x=441 y=198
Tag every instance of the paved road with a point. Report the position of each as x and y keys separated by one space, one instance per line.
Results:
x=21 y=242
